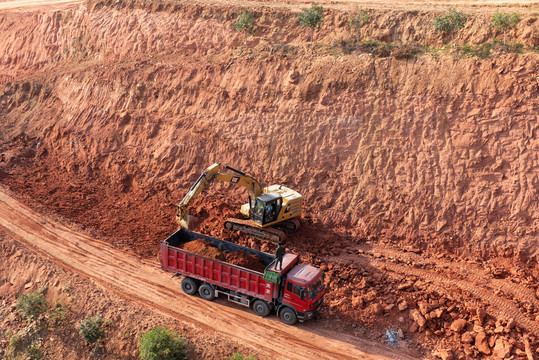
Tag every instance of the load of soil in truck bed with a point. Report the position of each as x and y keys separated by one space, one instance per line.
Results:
x=240 y=257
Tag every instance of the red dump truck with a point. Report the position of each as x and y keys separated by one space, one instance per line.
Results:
x=295 y=293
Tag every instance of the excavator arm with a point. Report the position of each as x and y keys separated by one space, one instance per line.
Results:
x=206 y=178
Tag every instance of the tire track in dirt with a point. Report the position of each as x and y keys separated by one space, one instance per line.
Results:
x=470 y=272
x=143 y=281
x=503 y=308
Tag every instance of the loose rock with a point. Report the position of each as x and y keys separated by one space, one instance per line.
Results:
x=458 y=325
x=502 y=349
x=481 y=343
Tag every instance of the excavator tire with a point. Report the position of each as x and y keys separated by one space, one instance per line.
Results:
x=247 y=227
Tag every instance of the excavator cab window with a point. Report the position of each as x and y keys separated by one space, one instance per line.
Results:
x=267 y=208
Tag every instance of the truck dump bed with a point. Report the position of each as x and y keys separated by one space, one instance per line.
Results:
x=219 y=273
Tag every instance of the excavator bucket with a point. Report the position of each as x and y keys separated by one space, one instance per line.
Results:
x=189 y=222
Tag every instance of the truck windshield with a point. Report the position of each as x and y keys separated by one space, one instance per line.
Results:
x=316 y=288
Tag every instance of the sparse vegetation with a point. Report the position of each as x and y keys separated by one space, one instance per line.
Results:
x=505 y=21
x=91 y=329
x=33 y=352
x=33 y=304
x=358 y=19
x=311 y=18
x=450 y=22
x=162 y=344
x=58 y=316
x=245 y=24
x=239 y=356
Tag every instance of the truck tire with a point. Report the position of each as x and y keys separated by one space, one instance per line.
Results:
x=189 y=286
x=288 y=316
x=206 y=292
x=261 y=308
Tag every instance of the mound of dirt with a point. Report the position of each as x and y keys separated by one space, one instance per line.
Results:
x=246 y=260
x=203 y=248
x=240 y=257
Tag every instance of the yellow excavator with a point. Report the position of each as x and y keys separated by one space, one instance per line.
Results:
x=269 y=210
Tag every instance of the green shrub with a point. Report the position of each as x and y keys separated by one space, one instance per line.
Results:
x=358 y=19
x=33 y=352
x=450 y=22
x=504 y=21
x=91 y=329
x=311 y=18
x=33 y=304
x=245 y=24
x=239 y=356
x=162 y=344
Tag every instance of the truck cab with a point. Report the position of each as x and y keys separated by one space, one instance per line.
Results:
x=303 y=291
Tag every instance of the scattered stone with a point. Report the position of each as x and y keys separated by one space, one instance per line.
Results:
x=436 y=313
x=444 y=354
x=294 y=77
x=481 y=343
x=375 y=309
x=537 y=293
x=401 y=334
x=511 y=324
x=498 y=330
x=400 y=319
x=458 y=325
x=357 y=301
x=370 y=296
x=481 y=314
x=502 y=349
x=467 y=338
x=416 y=316
x=423 y=307
x=402 y=305
x=414 y=327
x=405 y=285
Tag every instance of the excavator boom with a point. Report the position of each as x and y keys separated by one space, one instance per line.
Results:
x=273 y=206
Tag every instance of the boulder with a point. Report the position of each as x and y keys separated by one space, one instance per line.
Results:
x=416 y=316
x=444 y=354
x=481 y=343
x=502 y=349
x=458 y=325
x=481 y=314
x=467 y=338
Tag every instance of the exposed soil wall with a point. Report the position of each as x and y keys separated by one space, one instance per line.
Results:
x=440 y=151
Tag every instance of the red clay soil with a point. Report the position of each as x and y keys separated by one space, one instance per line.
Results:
x=240 y=257
x=246 y=260
x=203 y=248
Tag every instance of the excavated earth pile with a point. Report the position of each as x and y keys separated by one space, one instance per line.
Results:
x=240 y=257
x=419 y=175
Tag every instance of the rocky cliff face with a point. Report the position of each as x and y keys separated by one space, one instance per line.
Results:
x=118 y=102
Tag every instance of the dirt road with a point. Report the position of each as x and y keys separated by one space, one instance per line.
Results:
x=144 y=281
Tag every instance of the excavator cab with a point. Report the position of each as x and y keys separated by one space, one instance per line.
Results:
x=267 y=208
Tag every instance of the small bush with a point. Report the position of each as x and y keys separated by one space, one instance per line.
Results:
x=91 y=329
x=58 y=315
x=162 y=344
x=33 y=352
x=245 y=23
x=450 y=22
x=407 y=51
x=33 y=304
x=239 y=356
x=311 y=18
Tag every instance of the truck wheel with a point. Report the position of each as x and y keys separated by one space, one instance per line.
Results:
x=206 y=292
x=261 y=308
x=189 y=286
x=288 y=316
